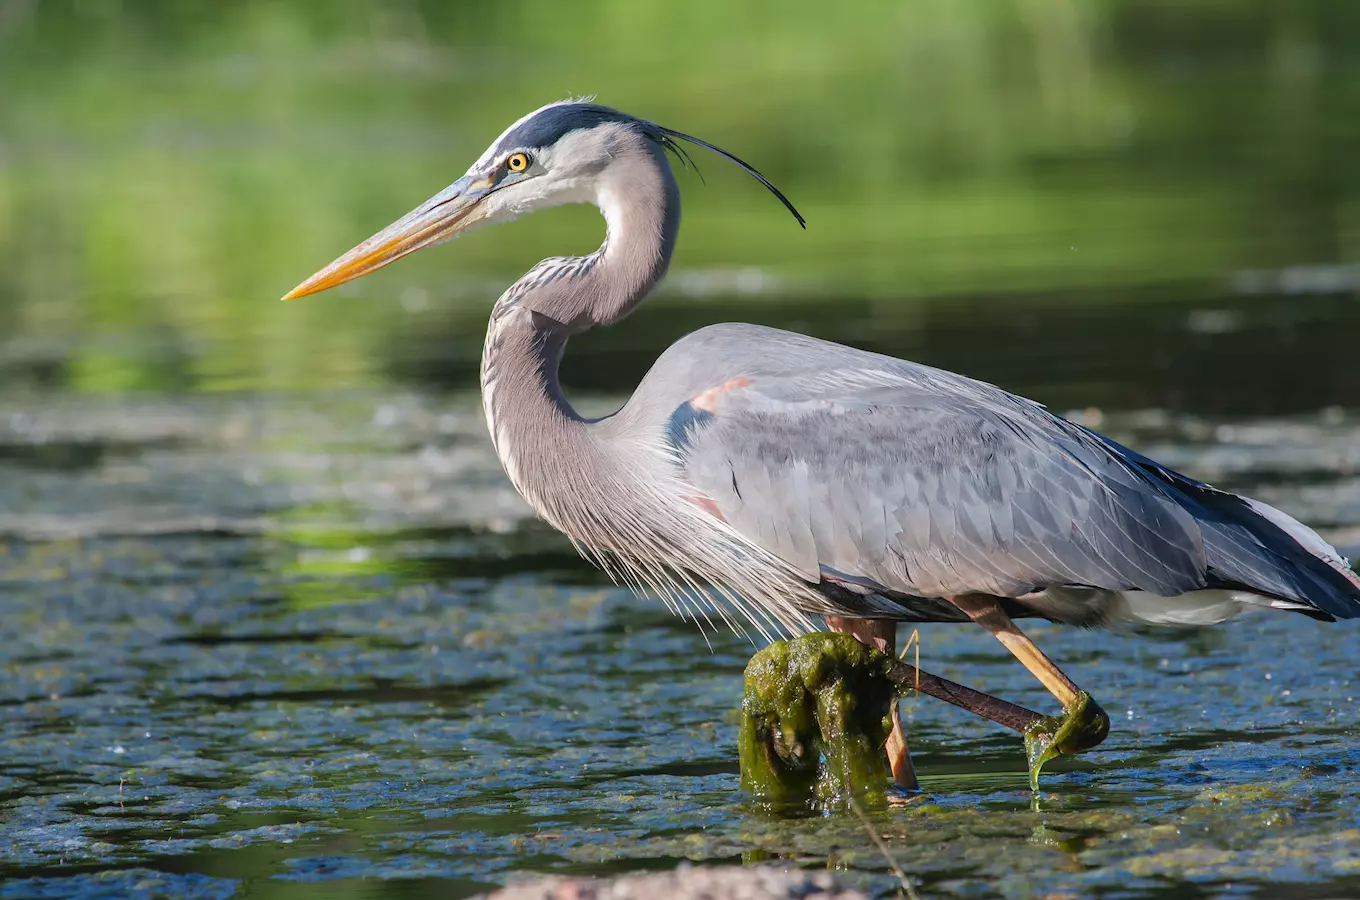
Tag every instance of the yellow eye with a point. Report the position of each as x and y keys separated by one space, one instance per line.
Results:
x=517 y=162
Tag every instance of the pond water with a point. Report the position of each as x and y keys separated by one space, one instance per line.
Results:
x=313 y=645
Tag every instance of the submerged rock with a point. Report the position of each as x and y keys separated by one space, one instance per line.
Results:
x=814 y=719
x=694 y=883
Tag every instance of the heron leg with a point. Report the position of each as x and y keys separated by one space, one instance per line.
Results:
x=1084 y=725
x=994 y=709
x=899 y=756
x=987 y=612
x=881 y=634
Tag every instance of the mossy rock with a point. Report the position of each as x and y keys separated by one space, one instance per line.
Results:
x=815 y=717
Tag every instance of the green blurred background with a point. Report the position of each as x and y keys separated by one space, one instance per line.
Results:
x=1123 y=202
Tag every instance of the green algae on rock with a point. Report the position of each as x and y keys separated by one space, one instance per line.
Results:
x=817 y=711
x=814 y=720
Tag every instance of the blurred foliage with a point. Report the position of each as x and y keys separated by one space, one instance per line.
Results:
x=169 y=167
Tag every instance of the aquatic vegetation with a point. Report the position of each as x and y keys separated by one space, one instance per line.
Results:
x=814 y=717
x=1083 y=726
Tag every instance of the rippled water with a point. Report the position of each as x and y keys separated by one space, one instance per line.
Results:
x=314 y=646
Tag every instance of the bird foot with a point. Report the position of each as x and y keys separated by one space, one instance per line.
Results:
x=1082 y=727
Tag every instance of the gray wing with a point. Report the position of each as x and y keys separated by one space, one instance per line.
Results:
x=879 y=473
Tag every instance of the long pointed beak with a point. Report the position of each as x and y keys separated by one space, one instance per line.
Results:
x=454 y=210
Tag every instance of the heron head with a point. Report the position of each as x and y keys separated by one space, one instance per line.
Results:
x=561 y=153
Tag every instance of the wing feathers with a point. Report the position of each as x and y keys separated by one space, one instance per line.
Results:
x=931 y=484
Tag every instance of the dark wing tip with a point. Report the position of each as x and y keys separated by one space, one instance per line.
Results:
x=668 y=140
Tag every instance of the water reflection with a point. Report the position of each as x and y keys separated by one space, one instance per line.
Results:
x=166 y=172
x=1143 y=349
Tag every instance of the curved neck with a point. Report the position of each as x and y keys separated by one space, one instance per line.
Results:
x=545 y=446
x=641 y=205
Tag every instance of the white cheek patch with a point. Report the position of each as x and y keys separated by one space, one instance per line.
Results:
x=571 y=167
x=533 y=194
x=586 y=151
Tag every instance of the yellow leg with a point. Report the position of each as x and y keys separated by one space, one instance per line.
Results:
x=987 y=612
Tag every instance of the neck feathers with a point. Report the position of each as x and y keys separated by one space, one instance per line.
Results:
x=641 y=205
x=542 y=442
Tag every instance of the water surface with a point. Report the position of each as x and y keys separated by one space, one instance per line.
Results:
x=314 y=645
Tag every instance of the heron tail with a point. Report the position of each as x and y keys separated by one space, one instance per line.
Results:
x=1255 y=548
x=1252 y=546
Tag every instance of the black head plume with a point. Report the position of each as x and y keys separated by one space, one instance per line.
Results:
x=668 y=138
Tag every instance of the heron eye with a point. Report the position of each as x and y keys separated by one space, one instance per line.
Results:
x=517 y=162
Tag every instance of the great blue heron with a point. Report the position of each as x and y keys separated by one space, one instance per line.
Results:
x=780 y=477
